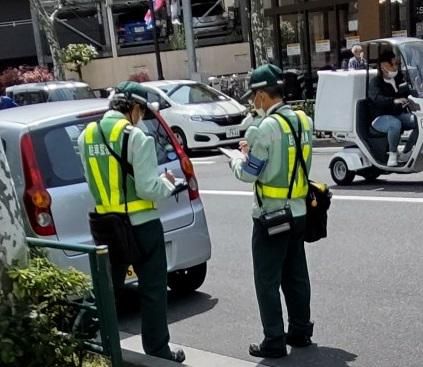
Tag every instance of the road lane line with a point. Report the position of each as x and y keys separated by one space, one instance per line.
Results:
x=388 y=199
x=194 y=357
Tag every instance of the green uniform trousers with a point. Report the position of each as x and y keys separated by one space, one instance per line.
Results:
x=280 y=262
x=152 y=278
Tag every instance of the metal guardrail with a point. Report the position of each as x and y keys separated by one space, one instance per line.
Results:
x=104 y=297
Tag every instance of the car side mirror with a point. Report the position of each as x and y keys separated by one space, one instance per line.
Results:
x=154 y=106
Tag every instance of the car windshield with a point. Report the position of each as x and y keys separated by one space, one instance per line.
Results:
x=70 y=93
x=193 y=94
x=412 y=53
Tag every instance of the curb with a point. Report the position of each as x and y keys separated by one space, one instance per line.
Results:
x=133 y=359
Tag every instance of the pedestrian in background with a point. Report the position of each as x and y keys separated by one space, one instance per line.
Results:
x=357 y=62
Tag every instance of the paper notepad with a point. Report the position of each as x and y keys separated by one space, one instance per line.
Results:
x=232 y=153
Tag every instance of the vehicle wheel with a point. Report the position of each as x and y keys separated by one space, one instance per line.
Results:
x=181 y=138
x=187 y=280
x=340 y=173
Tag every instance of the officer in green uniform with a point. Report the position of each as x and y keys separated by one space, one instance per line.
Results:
x=103 y=175
x=279 y=260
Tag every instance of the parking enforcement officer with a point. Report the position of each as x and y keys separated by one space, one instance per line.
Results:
x=127 y=107
x=279 y=259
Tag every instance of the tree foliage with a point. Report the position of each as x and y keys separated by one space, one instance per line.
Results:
x=77 y=55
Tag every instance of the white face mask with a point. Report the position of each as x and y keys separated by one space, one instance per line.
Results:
x=392 y=74
x=260 y=111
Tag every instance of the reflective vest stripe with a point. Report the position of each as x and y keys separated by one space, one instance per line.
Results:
x=95 y=169
x=114 y=165
x=114 y=204
x=300 y=187
x=133 y=206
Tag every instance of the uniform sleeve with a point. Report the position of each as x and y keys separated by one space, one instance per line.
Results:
x=148 y=184
x=250 y=169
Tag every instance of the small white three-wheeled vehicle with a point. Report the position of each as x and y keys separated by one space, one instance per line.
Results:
x=342 y=108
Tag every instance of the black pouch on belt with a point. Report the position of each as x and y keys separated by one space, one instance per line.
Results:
x=277 y=221
x=115 y=231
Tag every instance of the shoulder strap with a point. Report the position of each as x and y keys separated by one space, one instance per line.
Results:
x=297 y=138
x=122 y=162
x=123 y=167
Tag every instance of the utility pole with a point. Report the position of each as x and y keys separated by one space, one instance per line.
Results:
x=37 y=37
x=156 y=41
x=250 y=37
x=189 y=38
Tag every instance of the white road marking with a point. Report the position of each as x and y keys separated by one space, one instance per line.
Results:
x=194 y=357
x=388 y=199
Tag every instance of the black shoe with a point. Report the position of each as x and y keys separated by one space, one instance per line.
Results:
x=258 y=350
x=298 y=341
x=178 y=355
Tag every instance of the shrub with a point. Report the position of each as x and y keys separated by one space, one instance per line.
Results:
x=77 y=55
x=36 y=317
x=140 y=77
x=24 y=74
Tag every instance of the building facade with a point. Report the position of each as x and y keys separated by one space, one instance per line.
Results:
x=312 y=35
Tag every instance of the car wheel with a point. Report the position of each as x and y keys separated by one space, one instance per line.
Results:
x=187 y=280
x=181 y=138
x=340 y=173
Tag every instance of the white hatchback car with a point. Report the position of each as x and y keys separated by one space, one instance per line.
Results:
x=200 y=116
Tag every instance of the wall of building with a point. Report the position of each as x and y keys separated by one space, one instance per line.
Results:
x=369 y=19
x=216 y=60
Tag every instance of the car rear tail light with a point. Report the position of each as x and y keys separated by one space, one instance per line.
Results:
x=186 y=164
x=36 y=198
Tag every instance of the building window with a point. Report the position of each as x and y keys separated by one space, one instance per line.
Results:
x=399 y=18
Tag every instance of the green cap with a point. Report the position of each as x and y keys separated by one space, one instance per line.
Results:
x=267 y=75
x=131 y=90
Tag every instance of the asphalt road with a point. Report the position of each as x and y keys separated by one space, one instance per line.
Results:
x=367 y=299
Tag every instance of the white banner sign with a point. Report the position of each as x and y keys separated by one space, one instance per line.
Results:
x=323 y=46
x=353 y=25
x=402 y=33
x=293 y=49
x=351 y=41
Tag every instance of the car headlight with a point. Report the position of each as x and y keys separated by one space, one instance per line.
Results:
x=200 y=118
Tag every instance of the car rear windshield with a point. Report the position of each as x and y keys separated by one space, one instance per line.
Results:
x=70 y=93
x=193 y=94
x=58 y=153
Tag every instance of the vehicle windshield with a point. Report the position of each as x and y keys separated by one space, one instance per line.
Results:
x=193 y=94
x=412 y=53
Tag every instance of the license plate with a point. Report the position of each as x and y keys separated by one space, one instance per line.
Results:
x=233 y=132
x=138 y=29
x=130 y=274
